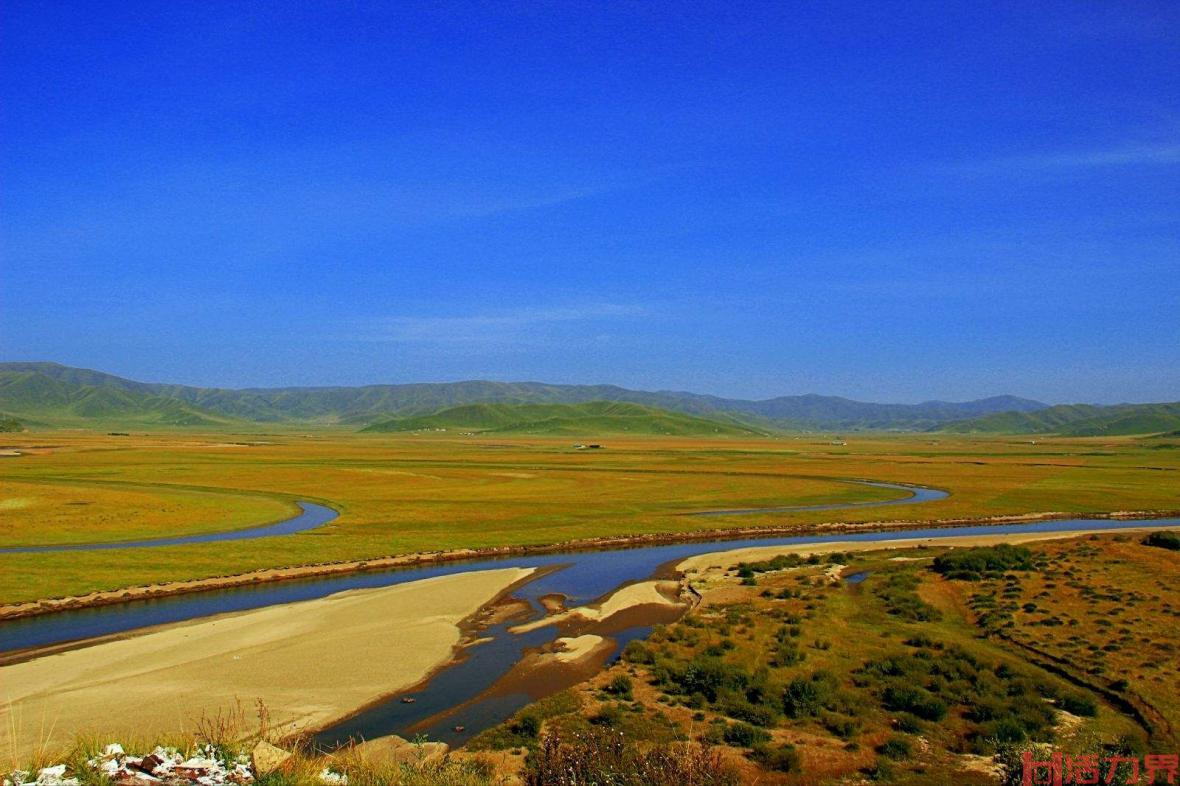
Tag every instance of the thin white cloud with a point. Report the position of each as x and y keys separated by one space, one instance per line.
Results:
x=1161 y=154
x=516 y=326
x=1143 y=155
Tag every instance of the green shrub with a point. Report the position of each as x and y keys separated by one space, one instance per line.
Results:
x=620 y=686
x=908 y=723
x=787 y=653
x=777 y=563
x=781 y=759
x=880 y=771
x=998 y=734
x=914 y=700
x=1079 y=704
x=743 y=735
x=708 y=676
x=896 y=747
x=609 y=715
x=638 y=652
x=984 y=562
x=740 y=709
x=527 y=726
x=1163 y=540
x=806 y=696
x=842 y=726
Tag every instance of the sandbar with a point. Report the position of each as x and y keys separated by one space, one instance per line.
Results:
x=643 y=593
x=578 y=648
x=311 y=662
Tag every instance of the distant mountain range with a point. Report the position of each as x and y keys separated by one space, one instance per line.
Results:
x=1078 y=420
x=588 y=419
x=48 y=394
x=51 y=395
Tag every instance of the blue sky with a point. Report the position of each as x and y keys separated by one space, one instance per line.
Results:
x=888 y=201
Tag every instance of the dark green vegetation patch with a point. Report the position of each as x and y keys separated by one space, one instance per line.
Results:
x=1163 y=540
x=987 y=562
x=592 y=417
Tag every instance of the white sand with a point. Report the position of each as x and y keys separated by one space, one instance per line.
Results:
x=578 y=647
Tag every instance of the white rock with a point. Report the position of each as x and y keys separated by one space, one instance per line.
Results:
x=329 y=778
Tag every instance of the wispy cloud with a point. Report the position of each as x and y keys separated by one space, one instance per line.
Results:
x=523 y=326
x=1061 y=161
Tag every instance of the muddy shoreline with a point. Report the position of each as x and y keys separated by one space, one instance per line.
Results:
x=268 y=575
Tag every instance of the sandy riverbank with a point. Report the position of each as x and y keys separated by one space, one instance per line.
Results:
x=311 y=663
x=728 y=559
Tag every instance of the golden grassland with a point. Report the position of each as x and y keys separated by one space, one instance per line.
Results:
x=45 y=513
x=802 y=680
x=405 y=493
x=1106 y=610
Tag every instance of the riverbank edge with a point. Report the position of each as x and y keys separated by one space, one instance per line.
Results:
x=40 y=607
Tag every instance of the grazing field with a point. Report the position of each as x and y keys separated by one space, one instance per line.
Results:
x=803 y=677
x=403 y=493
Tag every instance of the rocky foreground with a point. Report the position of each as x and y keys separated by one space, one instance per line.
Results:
x=169 y=767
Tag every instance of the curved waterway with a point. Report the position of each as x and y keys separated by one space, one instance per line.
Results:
x=914 y=495
x=583 y=577
x=311 y=516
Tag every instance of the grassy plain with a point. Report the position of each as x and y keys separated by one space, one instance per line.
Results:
x=404 y=493
x=901 y=677
x=49 y=513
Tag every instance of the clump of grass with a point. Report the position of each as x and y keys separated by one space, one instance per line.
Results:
x=362 y=772
x=781 y=759
x=896 y=747
x=621 y=687
x=604 y=757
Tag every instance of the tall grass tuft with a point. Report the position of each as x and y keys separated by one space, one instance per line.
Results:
x=604 y=757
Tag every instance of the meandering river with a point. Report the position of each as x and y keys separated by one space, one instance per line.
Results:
x=581 y=576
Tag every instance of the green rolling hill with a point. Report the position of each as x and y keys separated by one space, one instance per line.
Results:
x=39 y=399
x=589 y=419
x=1078 y=420
x=8 y=424
x=49 y=394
